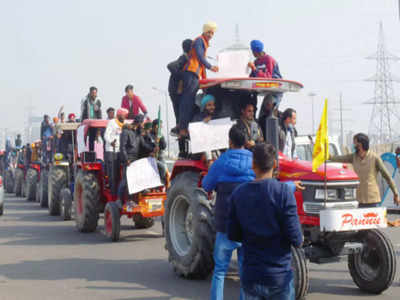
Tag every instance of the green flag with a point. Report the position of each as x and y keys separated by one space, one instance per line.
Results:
x=159 y=122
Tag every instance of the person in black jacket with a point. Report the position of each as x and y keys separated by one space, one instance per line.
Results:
x=175 y=84
x=131 y=144
x=91 y=106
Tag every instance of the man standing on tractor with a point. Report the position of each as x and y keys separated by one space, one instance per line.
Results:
x=263 y=217
x=175 y=84
x=46 y=134
x=131 y=143
x=110 y=113
x=132 y=103
x=91 y=106
x=112 y=154
x=249 y=126
x=18 y=141
x=288 y=133
x=367 y=165
x=226 y=173
x=194 y=70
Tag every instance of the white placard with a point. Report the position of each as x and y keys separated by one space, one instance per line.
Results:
x=233 y=63
x=80 y=138
x=143 y=174
x=205 y=137
x=352 y=219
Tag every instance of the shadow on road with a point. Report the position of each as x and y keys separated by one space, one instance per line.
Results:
x=150 y=274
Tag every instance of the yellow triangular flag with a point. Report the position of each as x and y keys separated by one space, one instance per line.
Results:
x=321 y=148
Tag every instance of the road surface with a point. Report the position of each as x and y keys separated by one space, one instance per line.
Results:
x=42 y=257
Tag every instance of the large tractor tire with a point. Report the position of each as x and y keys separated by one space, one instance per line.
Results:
x=300 y=272
x=189 y=227
x=9 y=182
x=19 y=181
x=112 y=221
x=43 y=188
x=37 y=196
x=66 y=204
x=86 y=201
x=57 y=181
x=31 y=183
x=142 y=222
x=374 y=268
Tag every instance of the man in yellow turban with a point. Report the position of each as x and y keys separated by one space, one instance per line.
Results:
x=194 y=70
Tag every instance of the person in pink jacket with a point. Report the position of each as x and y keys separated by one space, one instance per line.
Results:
x=132 y=103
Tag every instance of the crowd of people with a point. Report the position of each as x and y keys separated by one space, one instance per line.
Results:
x=255 y=214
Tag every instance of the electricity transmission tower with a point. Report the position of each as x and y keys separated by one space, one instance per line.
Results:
x=385 y=119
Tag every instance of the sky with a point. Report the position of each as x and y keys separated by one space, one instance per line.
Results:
x=51 y=52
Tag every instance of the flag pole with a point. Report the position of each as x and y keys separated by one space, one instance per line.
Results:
x=325 y=178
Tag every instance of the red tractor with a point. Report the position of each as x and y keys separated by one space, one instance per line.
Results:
x=333 y=225
x=20 y=173
x=33 y=174
x=93 y=196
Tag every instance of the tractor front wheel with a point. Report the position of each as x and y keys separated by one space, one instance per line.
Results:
x=112 y=221
x=19 y=179
x=31 y=183
x=43 y=188
x=373 y=269
x=9 y=181
x=300 y=273
x=57 y=180
x=66 y=204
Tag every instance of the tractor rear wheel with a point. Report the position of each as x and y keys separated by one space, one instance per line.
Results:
x=66 y=204
x=86 y=201
x=112 y=221
x=142 y=222
x=19 y=179
x=9 y=182
x=189 y=227
x=31 y=183
x=373 y=269
x=43 y=188
x=57 y=181
x=300 y=273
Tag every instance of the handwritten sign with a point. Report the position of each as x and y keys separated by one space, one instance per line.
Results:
x=80 y=137
x=205 y=137
x=143 y=174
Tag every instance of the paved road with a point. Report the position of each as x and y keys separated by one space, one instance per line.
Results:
x=42 y=257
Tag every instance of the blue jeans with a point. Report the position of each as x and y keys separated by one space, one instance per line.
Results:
x=187 y=101
x=263 y=292
x=223 y=250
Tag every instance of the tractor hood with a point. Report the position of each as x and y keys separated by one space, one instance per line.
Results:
x=302 y=170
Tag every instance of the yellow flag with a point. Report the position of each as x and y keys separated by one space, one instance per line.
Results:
x=321 y=146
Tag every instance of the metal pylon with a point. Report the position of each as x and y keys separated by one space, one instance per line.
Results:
x=385 y=119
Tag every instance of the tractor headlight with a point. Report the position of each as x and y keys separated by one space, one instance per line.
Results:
x=58 y=156
x=350 y=194
x=331 y=194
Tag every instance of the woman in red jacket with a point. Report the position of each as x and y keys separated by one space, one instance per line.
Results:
x=132 y=103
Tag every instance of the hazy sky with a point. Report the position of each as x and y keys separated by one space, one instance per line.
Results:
x=52 y=51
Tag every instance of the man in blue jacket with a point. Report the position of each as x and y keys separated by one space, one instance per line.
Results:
x=228 y=171
x=263 y=216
